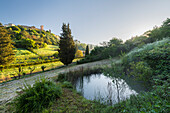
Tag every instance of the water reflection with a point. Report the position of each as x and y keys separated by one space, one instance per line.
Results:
x=105 y=89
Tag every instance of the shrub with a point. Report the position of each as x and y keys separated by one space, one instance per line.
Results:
x=79 y=53
x=67 y=84
x=36 y=98
x=43 y=68
x=141 y=71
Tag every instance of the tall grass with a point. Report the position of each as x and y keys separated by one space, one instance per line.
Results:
x=35 y=99
x=149 y=46
x=146 y=48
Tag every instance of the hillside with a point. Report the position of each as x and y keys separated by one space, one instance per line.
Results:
x=21 y=33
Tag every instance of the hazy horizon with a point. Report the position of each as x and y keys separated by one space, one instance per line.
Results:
x=91 y=22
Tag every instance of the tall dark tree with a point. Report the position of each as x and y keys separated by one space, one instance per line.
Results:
x=76 y=48
x=66 y=45
x=87 y=50
x=6 y=51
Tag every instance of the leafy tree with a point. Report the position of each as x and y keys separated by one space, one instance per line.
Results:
x=43 y=68
x=87 y=50
x=79 y=53
x=76 y=49
x=29 y=43
x=0 y=23
x=96 y=51
x=115 y=42
x=6 y=51
x=24 y=33
x=66 y=45
x=19 y=36
x=166 y=23
x=15 y=28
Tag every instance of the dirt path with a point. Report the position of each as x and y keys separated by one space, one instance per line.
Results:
x=8 y=90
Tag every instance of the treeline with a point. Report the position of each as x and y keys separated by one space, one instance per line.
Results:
x=116 y=47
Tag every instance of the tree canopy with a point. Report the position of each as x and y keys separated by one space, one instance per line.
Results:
x=6 y=48
x=66 y=45
x=87 y=50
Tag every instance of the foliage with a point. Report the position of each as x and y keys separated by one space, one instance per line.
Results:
x=67 y=84
x=6 y=48
x=22 y=32
x=97 y=50
x=80 y=46
x=66 y=45
x=150 y=64
x=25 y=43
x=115 y=71
x=138 y=53
x=87 y=50
x=31 y=69
x=12 y=70
x=147 y=102
x=38 y=97
x=78 y=54
x=115 y=42
x=141 y=71
x=115 y=46
x=43 y=68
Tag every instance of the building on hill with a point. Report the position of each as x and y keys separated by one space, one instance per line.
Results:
x=41 y=27
x=9 y=25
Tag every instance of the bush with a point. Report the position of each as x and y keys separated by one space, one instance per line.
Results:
x=67 y=84
x=43 y=68
x=38 y=97
x=141 y=71
x=78 y=54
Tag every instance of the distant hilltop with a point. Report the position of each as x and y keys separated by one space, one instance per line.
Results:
x=25 y=26
x=39 y=36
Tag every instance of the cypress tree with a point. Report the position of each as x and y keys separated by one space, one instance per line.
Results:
x=87 y=50
x=66 y=45
x=6 y=51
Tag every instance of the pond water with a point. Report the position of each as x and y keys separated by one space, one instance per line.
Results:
x=106 y=89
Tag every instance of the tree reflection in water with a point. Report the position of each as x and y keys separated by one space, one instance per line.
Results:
x=108 y=90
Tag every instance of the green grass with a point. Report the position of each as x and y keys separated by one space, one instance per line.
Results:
x=21 y=52
x=30 y=59
x=25 y=56
x=47 y=51
x=49 y=66
x=72 y=102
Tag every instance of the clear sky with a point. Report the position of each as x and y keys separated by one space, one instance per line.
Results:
x=91 y=21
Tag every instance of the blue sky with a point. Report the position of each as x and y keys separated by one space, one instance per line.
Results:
x=91 y=21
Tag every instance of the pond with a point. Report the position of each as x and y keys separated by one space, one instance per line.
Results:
x=107 y=90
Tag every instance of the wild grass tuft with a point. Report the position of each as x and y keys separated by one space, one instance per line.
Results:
x=35 y=99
